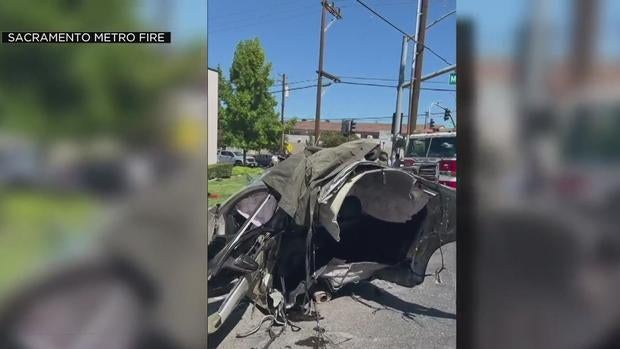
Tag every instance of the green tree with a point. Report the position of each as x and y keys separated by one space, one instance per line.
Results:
x=224 y=93
x=248 y=117
x=81 y=91
x=334 y=139
x=224 y=90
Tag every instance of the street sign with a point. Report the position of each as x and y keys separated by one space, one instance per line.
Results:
x=453 y=79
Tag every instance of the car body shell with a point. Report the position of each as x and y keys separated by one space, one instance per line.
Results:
x=437 y=228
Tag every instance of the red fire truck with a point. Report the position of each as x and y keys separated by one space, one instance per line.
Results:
x=432 y=155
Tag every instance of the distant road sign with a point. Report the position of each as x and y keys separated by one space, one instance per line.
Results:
x=453 y=79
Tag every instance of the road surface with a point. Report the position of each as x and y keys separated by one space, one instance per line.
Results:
x=368 y=315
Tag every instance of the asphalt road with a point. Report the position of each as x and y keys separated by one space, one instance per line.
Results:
x=368 y=315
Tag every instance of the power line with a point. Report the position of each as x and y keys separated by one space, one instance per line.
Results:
x=365 y=84
x=366 y=78
x=299 y=88
x=394 y=86
x=438 y=89
x=441 y=18
x=387 y=79
x=369 y=85
x=299 y=82
x=308 y=119
x=403 y=32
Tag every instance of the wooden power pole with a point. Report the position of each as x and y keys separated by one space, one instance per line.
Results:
x=326 y=7
x=417 y=70
x=282 y=111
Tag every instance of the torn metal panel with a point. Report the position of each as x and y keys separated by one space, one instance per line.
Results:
x=386 y=194
x=337 y=273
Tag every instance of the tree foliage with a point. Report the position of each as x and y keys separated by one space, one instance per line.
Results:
x=77 y=90
x=247 y=114
x=334 y=139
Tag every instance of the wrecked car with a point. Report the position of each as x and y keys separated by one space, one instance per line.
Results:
x=320 y=220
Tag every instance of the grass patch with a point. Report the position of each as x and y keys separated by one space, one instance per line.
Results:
x=222 y=189
x=250 y=171
x=34 y=226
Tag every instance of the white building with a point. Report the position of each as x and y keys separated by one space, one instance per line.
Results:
x=212 y=107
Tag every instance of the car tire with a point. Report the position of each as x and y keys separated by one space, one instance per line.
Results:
x=238 y=163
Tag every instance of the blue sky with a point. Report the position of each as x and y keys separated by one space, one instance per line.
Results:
x=359 y=45
x=495 y=34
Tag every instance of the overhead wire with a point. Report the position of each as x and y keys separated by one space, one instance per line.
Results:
x=441 y=19
x=368 y=117
x=403 y=32
x=365 y=84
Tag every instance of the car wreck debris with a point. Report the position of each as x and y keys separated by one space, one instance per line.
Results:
x=320 y=220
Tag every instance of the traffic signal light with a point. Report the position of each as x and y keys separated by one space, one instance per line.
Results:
x=432 y=124
x=446 y=115
x=352 y=126
x=345 y=127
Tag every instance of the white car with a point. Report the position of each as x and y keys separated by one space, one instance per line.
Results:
x=235 y=158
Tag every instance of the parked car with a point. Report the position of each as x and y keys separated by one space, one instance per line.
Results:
x=21 y=162
x=225 y=157
x=265 y=243
x=236 y=158
x=433 y=156
x=250 y=161
x=264 y=160
x=20 y=167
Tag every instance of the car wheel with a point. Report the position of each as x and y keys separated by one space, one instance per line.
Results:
x=238 y=163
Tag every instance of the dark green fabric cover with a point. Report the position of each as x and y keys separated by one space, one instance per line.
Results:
x=299 y=178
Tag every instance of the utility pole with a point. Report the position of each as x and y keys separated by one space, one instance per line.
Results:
x=586 y=18
x=164 y=15
x=417 y=70
x=396 y=121
x=325 y=7
x=401 y=80
x=282 y=111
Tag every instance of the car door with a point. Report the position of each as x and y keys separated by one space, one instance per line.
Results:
x=227 y=156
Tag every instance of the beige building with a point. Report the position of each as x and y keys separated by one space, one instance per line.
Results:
x=212 y=107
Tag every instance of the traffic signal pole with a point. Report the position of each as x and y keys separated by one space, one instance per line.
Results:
x=399 y=88
x=396 y=121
